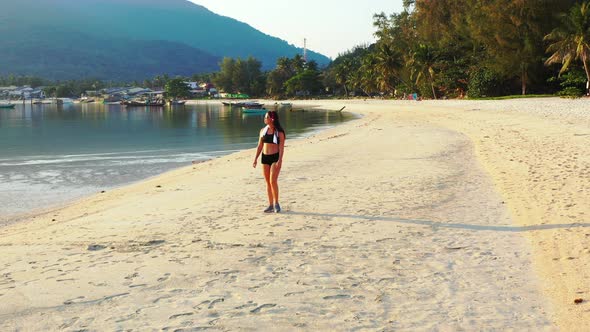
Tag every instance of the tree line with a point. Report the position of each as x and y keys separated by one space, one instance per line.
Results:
x=454 y=48
x=438 y=49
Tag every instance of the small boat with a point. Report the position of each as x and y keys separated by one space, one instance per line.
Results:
x=233 y=104
x=140 y=103
x=252 y=105
x=246 y=110
x=7 y=105
x=63 y=101
x=177 y=102
x=247 y=104
x=112 y=100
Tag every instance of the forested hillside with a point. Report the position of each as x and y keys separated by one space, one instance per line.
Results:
x=131 y=39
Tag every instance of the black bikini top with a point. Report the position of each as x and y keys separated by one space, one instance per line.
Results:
x=269 y=138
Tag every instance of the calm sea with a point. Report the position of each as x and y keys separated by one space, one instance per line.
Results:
x=52 y=154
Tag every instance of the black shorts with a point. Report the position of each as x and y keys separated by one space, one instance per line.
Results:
x=269 y=159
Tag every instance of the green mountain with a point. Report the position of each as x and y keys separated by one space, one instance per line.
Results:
x=126 y=39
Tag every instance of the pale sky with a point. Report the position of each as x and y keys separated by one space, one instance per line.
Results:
x=330 y=26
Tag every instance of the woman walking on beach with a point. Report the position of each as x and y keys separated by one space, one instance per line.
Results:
x=272 y=145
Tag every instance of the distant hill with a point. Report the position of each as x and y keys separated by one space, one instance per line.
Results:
x=126 y=39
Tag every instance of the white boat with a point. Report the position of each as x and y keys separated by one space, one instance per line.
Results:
x=254 y=110
x=7 y=105
x=58 y=101
x=65 y=101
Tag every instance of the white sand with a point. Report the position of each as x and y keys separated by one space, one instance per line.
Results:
x=419 y=216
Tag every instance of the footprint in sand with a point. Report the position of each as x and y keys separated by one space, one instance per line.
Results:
x=164 y=278
x=72 y=301
x=337 y=297
x=247 y=305
x=181 y=315
x=69 y=323
x=260 y=308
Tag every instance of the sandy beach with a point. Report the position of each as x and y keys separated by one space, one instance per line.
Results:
x=432 y=215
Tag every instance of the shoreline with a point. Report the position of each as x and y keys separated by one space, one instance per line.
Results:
x=399 y=219
x=7 y=218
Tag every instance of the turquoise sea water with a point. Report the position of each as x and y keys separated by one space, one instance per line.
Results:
x=51 y=154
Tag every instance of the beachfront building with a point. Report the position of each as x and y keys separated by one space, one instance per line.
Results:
x=92 y=93
x=26 y=92
x=198 y=92
x=5 y=91
x=134 y=92
x=119 y=93
x=210 y=89
x=192 y=85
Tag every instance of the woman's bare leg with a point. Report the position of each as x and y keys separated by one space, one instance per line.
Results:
x=274 y=177
x=267 y=178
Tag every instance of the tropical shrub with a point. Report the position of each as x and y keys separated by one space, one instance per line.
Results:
x=484 y=82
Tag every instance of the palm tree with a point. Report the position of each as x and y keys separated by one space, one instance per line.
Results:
x=388 y=64
x=368 y=74
x=571 y=41
x=342 y=73
x=422 y=62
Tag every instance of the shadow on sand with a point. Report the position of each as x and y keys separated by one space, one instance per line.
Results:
x=515 y=229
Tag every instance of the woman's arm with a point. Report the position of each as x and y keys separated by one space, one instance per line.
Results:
x=258 y=150
x=281 y=148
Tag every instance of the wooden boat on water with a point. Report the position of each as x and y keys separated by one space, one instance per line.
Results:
x=252 y=105
x=7 y=105
x=112 y=100
x=233 y=104
x=143 y=103
x=253 y=108
x=247 y=104
x=56 y=101
x=246 y=110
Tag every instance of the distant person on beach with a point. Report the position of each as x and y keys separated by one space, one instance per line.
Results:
x=272 y=145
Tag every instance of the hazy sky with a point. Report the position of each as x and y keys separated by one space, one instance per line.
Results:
x=330 y=26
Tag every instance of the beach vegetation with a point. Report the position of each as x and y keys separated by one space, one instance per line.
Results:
x=72 y=88
x=570 y=41
x=457 y=49
x=307 y=82
x=177 y=88
x=277 y=80
x=519 y=96
x=32 y=81
x=484 y=82
x=240 y=76
x=572 y=83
